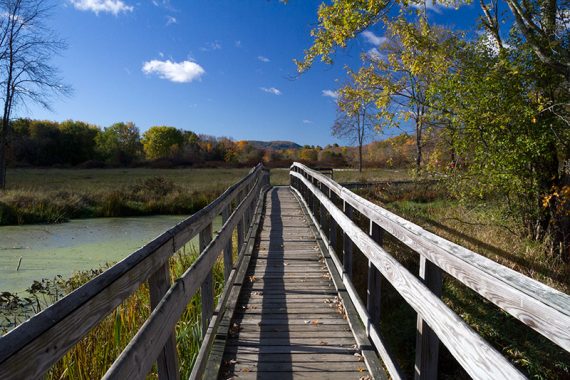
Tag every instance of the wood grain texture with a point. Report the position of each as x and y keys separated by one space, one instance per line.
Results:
x=207 y=287
x=374 y=288
x=385 y=353
x=167 y=360
x=476 y=356
x=287 y=306
x=540 y=307
x=207 y=360
x=427 y=342
x=228 y=249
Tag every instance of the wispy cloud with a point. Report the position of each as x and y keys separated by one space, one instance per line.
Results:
x=430 y=5
x=263 y=59
x=307 y=121
x=171 y=20
x=330 y=94
x=270 y=90
x=211 y=46
x=179 y=72
x=237 y=44
x=102 y=6
x=375 y=54
x=372 y=38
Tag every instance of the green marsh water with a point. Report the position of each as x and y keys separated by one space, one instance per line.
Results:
x=81 y=244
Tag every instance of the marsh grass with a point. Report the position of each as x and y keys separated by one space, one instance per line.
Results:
x=484 y=228
x=95 y=353
x=150 y=196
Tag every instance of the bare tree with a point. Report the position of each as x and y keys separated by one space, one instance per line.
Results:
x=26 y=47
x=356 y=116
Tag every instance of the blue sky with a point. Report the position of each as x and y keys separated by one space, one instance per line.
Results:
x=222 y=68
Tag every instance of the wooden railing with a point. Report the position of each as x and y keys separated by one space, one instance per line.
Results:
x=334 y=209
x=32 y=348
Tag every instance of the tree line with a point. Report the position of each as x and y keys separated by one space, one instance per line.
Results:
x=70 y=143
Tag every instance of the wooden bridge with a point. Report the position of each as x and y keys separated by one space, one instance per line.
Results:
x=289 y=308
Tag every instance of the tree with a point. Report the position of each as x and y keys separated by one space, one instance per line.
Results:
x=508 y=146
x=120 y=143
x=162 y=141
x=507 y=111
x=26 y=47
x=414 y=58
x=77 y=142
x=356 y=115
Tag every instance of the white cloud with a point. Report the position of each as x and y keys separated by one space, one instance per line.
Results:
x=211 y=46
x=171 y=20
x=307 y=121
x=373 y=39
x=106 y=6
x=270 y=90
x=430 y=5
x=330 y=94
x=263 y=59
x=237 y=44
x=179 y=72
x=374 y=54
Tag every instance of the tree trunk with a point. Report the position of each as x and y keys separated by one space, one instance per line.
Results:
x=2 y=159
x=418 y=153
x=360 y=158
x=3 y=148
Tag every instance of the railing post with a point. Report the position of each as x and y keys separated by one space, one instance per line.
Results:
x=240 y=236
x=207 y=288
x=167 y=360
x=228 y=256
x=373 y=296
x=347 y=243
x=332 y=228
x=427 y=342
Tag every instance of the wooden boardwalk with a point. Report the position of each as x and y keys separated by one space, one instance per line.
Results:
x=289 y=309
x=289 y=322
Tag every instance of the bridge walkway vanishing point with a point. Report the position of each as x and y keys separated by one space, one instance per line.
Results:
x=289 y=321
x=289 y=308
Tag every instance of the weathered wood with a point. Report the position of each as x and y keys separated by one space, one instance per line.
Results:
x=374 y=289
x=476 y=356
x=385 y=354
x=347 y=244
x=137 y=358
x=542 y=308
x=228 y=249
x=207 y=287
x=427 y=342
x=48 y=335
x=204 y=367
x=287 y=304
x=167 y=360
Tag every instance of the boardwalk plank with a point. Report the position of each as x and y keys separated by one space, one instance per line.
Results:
x=286 y=324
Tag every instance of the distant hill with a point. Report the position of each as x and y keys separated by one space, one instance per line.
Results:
x=274 y=145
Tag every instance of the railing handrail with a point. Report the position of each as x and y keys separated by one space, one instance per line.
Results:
x=401 y=228
x=544 y=309
x=137 y=358
x=47 y=336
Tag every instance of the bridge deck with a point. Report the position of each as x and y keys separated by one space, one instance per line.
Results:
x=289 y=322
